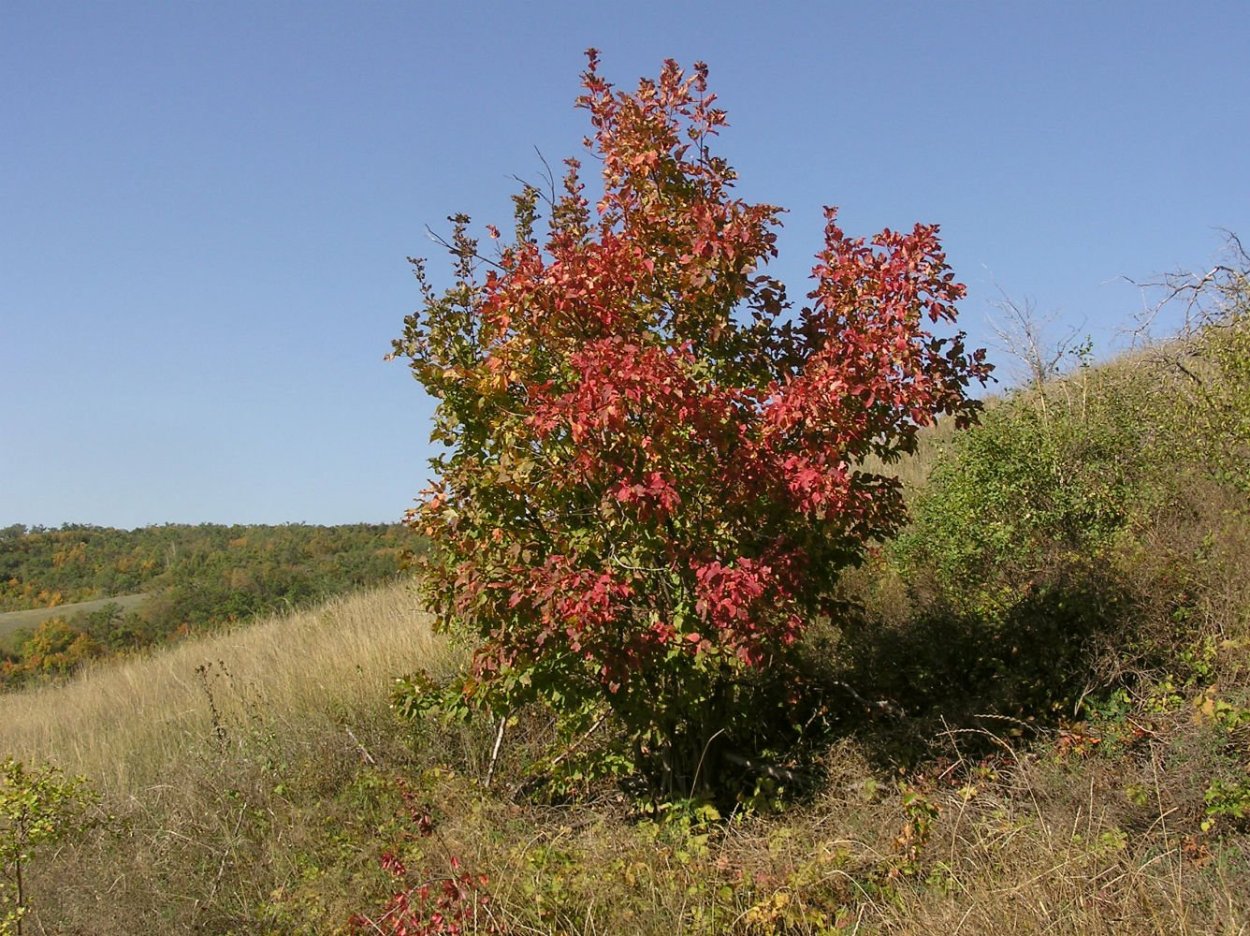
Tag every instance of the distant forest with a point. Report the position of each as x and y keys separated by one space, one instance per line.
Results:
x=191 y=578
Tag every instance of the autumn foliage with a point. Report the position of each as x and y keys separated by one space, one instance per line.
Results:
x=654 y=462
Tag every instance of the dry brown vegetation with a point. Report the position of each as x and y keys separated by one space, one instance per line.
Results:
x=252 y=789
x=208 y=756
x=127 y=724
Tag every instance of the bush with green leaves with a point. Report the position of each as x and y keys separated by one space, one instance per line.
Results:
x=1049 y=477
x=38 y=806
x=1213 y=359
x=1088 y=521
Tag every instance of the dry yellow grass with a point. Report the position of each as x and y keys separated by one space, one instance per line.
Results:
x=275 y=825
x=124 y=723
x=251 y=780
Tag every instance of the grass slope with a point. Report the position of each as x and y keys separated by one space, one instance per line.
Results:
x=11 y=621
x=1063 y=635
x=253 y=780
x=129 y=723
x=214 y=758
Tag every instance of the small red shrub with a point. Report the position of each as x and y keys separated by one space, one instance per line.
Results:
x=654 y=467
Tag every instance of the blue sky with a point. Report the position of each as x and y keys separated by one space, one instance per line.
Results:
x=205 y=207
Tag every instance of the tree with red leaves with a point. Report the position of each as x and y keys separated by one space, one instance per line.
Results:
x=654 y=466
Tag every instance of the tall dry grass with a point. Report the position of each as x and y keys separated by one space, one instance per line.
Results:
x=252 y=779
x=221 y=763
x=123 y=724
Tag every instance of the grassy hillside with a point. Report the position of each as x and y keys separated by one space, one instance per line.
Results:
x=129 y=723
x=1036 y=719
x=215 y=758
x=81 y=592
x=11 y=621
x=252 y=781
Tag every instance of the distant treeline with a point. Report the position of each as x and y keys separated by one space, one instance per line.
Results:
x=193 y=577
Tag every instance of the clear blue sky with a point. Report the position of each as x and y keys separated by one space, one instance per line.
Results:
x=205 y=207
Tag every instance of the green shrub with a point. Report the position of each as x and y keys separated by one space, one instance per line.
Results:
x=1214 y=359
x=37 y=807
x=1049 y=478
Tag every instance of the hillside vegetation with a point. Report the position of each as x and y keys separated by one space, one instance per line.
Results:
x=82 y=592
x=211 y=756
x=28 y=620
x=1036 y=718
